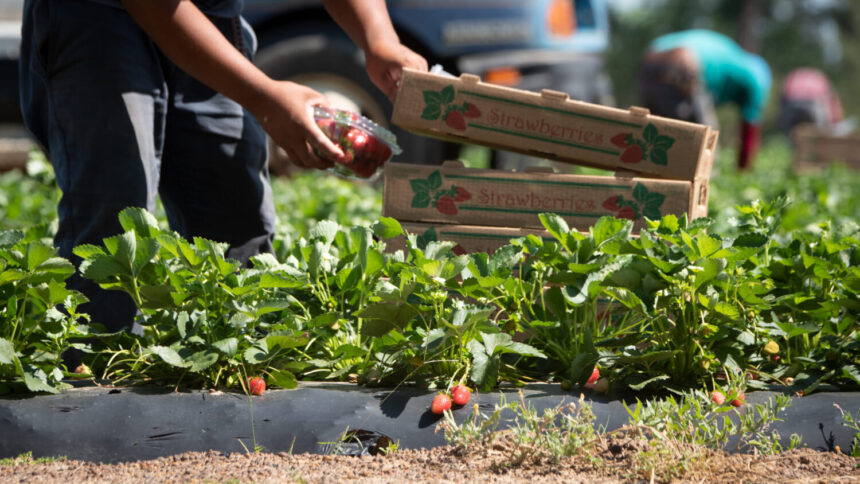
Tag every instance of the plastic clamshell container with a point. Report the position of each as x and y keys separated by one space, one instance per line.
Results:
x=366 y=144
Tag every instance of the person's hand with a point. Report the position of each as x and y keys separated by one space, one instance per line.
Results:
x=286 y=113
x=385 y=62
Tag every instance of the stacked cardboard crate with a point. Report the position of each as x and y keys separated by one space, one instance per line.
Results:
x=814 y=148
x=662 y=165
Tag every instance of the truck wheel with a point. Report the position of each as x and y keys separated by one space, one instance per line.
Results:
x=324 y=58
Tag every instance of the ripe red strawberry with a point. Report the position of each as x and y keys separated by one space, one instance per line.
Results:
x=461 y=194
x=358 y=140
x=256 y=385
x=472 y=111
x=458 y=250
x=738 y=400
x=441 y=402
x=633 y=154
x=611 y=203
x=619 y=140
x=383 y=154
x=595 y=374
x=718 y=397
x=446 y=205
x=460 y=394
x=325 y=125
x=455 y=120
x=627 y=212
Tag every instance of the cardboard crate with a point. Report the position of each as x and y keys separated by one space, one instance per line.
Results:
x=452 y=194
x=550 y=125
x=814 y=148
x=469 y=238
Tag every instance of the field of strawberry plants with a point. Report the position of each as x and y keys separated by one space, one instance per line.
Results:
x=764 y=294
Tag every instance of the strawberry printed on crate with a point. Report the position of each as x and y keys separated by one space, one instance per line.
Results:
x=653 y=146
x=643 y=204
x=620 y=140
x=429 y=192
x=440 y=105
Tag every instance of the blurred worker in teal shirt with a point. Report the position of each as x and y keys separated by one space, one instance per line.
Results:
x=685 y=74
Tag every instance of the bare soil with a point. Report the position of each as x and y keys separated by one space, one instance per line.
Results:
x=621 y=461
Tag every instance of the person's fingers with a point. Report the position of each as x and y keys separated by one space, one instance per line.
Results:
x=293 y=157
x=325 y=148
x=320 y=161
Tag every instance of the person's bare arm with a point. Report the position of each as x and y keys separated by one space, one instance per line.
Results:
x=750 y=141
x=192 y=42
x=368 y=25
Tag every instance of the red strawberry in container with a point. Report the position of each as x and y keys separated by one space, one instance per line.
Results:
x=366 y=145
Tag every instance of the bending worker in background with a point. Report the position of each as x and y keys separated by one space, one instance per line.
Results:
x=134 y=99
x=808 y=97
x=685 y=74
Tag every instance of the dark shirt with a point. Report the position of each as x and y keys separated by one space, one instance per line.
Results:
x=215 y=8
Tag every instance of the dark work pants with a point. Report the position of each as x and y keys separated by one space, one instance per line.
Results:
x=122 y=125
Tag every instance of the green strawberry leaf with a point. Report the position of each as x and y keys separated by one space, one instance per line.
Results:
x=432 y=98
x=139 y=220
x=101 y=268
x=650 y=133
x=202 y=360
x=664 y=142
x=7 y=352
x=228 y=346
x=434 y=181
x=447 y=94
x=8 y=238
x=431 y=112
x=387 y=228
x=555 y=225
x=421 y=200
x=428 y=236
x=651 y=212
x=655 y=198
x=35 y=379
x=485 y=366
x=169 y=356
x=419 y=185
x=640 y=193
x=658 y=156
x=282 y=378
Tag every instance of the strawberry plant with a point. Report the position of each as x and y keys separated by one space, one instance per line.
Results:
x=202 y=317
x=38 y=317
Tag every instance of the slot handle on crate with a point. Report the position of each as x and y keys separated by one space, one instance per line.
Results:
x=554 y=95
x=539 y=169
x=639 y=111
x=625 y=174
